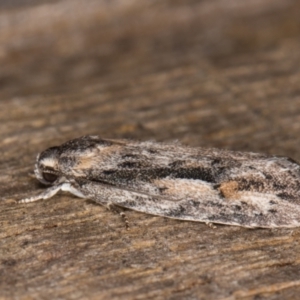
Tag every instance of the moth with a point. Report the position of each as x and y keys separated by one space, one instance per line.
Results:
x=175 y=181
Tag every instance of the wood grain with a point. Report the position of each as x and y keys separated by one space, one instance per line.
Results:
x=207 y=73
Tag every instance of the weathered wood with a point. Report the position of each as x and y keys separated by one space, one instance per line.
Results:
x=206 y=73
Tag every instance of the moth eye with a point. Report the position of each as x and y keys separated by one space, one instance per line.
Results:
x=49 y=177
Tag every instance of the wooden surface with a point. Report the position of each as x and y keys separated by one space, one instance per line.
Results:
x=207 y=73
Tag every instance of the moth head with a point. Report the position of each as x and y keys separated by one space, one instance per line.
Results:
x=54 y=164
x=46 y=167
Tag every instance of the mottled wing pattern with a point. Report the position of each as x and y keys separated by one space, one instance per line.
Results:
x=207 y=185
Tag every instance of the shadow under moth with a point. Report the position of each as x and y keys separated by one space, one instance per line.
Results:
x=175 y=181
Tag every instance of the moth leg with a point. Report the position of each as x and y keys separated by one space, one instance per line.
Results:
x=210 y=225
x=116 y=209
x=48 y=193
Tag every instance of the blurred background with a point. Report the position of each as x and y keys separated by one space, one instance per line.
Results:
x=209 y=73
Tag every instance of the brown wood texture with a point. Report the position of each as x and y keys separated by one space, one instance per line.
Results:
x=207 y=73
